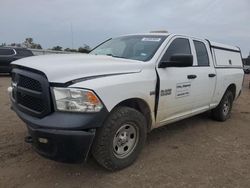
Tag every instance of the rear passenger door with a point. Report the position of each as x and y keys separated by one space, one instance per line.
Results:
x=204 y=85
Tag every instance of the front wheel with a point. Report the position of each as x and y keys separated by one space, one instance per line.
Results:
x=120 y=140
x=223 y=111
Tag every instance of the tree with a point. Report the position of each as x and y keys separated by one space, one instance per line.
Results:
x=16 y=45
x=37 y=46
x=84 y=49
x=28 y=43
x=67 y=49
x=57 y=48
x=70 y=50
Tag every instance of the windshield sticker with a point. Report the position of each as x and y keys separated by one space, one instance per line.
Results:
x=145 y=39
x=143 y=54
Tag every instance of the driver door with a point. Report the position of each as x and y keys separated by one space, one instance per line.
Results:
x=175 y=96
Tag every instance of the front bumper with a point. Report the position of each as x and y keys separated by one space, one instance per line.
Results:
x=65 y=137
x=61 y=145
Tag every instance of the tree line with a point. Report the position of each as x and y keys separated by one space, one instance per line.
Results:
x=29 y=43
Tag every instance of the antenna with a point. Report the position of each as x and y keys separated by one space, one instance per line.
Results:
x=72 y=36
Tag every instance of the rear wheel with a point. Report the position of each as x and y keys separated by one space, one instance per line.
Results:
x=120 y=140
x=223 y=111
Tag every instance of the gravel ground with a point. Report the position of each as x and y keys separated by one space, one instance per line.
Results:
x=196 y=152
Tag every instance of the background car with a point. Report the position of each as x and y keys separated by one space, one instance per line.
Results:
x=9 y=54
x=246 y=69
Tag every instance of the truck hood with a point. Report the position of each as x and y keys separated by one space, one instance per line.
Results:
x=67 y=67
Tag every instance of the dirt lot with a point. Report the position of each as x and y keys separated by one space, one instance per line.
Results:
x=197 y=152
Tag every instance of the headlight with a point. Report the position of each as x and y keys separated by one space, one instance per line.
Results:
x=76 y=100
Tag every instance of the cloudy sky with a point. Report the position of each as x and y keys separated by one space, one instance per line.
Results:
x=49 y=21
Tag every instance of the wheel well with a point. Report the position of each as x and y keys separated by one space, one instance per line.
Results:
x=141 y=106
x=232 y=88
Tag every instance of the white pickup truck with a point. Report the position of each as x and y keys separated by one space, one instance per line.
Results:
x=107 y=101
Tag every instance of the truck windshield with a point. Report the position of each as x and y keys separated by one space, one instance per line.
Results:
x=136 y=47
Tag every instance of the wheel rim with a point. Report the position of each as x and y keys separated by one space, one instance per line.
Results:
x=226 y=107
x=125 y=140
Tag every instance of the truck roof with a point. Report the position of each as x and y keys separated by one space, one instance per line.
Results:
x=165 y=33
x=213 y=44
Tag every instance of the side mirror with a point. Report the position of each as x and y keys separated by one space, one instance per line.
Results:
x=178 y=60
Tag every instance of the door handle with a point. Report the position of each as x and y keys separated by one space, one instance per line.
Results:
x=211 y=75
x=191 y=76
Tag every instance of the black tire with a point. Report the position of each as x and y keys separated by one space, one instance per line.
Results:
x=103 y=148
x=223 y=111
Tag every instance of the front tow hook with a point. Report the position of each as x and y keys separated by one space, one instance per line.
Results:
x=28 y=139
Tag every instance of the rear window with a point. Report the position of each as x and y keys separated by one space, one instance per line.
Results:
x=24 y=52
x=6 y=52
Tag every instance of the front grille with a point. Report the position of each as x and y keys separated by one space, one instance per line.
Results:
x=30 y=102
x=29 y=83
x=31 y=92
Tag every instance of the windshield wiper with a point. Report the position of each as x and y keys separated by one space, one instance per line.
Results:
x=115 y=56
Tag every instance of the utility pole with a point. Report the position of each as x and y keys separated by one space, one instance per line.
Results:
x=72 y=36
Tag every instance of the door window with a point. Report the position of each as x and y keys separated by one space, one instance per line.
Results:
x=178 y=46
x=201 y=53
